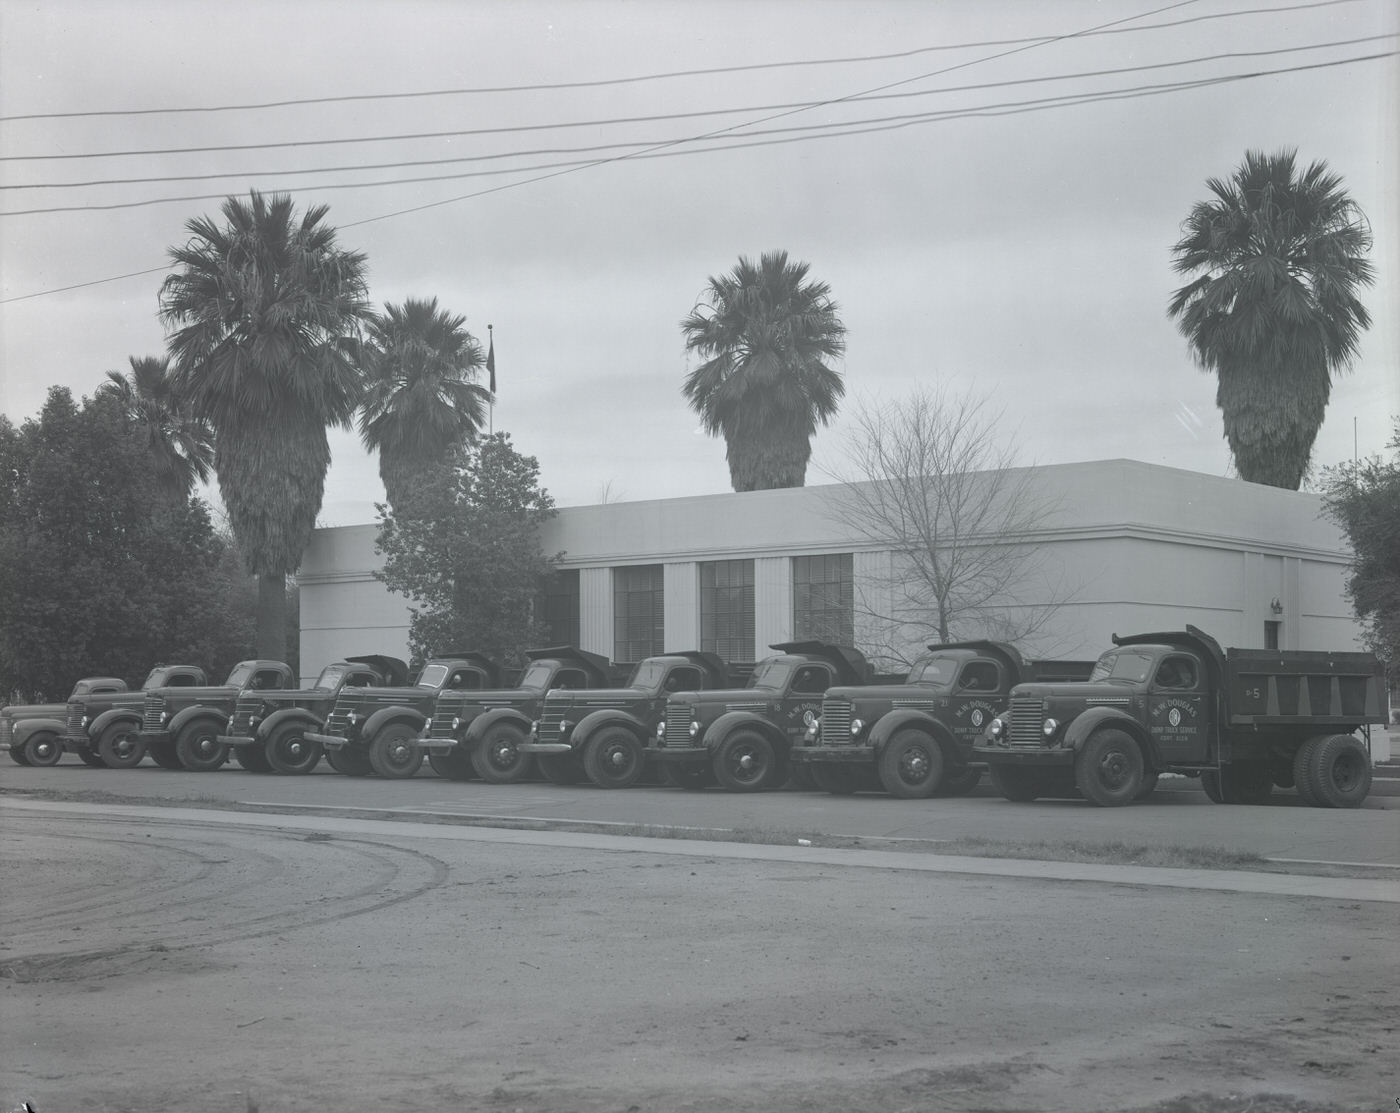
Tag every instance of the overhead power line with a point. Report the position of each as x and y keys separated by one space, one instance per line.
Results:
x=667 y=75
x=613 y=121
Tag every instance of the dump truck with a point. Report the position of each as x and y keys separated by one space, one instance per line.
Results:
x=267 y=731
x=916 y=739
x=742 y=738
x=1243 y=720
x=378 y=730
x=479 y=733
x=108 y=723
x=601 y=735
x=180 y=725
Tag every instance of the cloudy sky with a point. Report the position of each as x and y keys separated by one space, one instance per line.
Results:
x=990 y=187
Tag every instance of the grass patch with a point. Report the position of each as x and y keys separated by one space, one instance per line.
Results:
x=1109 y=853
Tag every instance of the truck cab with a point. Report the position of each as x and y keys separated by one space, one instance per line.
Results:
x=181 y=724
x=601 y=734
x=267 y=731
x=742 y=738
x=32 y=733
x=378 y=729
x=916 y=740
x=479 y=733
x=1243 y=720
x=108 y=724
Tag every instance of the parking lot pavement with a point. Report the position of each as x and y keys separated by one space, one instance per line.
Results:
x=1177 y=815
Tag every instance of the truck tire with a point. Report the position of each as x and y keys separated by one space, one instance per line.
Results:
x=252 y=758
x=17 y=755
x=497 y=758
x=561 y=769
x=290 y=752
x=744 y=762
x=88 y=757
x=692 y=776
x=42 y=749
x=163 y=754
x=839 y=780
x=911 y=765
x=1302 y=771
x=959 y=781
x=614 y=758
x=1016 y=783
x=455 y=765
x=394 y=752
x=1109 y=769
x=1241 y=782
x=198 y=747
x=119 y=746
x=1340 y=771
x=349 y=762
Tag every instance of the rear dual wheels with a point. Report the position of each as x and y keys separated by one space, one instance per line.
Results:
x=614 y=758
x=693 y=776
x=120 y=746
x=198 y=749
x=561 y=769
x=1332 y=771
x=497 y=758
x=349 y=762
x=290 y=753
x=455 y=765
x=394 y=753
x=252 y=758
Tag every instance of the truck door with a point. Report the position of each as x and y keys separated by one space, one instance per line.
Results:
x=803 y=703
x=1176 y=709
x=977 y=699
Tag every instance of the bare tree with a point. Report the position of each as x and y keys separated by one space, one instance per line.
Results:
x=954 y=526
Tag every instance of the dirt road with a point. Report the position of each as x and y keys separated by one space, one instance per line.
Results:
x=207 y=966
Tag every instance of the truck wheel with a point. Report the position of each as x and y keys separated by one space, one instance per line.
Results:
x=198 y=747
x=1015 y=783
x=614 y=759
x=87 y=757
x=1340 y=772
x=1149 y=786
x=163 y=754
x=252 y=758
x=455 y=765
x=1302 y=771
x=1109 y=769
x=349 y=762
x=288 y=752
x=394 y=752
x=560 y=769
x=120 y=746
x=911 y=766
x=959 y=782
x=42 y=749
x=693 y=776
x=1241 y=782
x=17 y=755
x=835 y=779
x=497 y=758
x=744 y=762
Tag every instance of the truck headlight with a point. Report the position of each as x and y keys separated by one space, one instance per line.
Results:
x=456 y=724
x=85 y=722
x=1049 y=727
x=996 y=729
x=857 y=725
x=694 y=728
x=661 y=730
x=352 y=718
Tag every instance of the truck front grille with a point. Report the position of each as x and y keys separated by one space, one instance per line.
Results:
x=155 y=708
x=241 y=724
x=836 y=722
x=74 y=726
x=677 y=725
x=1024 y=717
x=7 y=731
x=551 y=720
x=441 y=726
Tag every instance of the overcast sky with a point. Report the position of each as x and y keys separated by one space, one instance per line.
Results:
x=1014 y=246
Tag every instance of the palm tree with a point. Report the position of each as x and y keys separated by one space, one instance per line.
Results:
x=1279 y=257
x=765 y=335
x=419 y=403
x=181 y=444
x=264 y=312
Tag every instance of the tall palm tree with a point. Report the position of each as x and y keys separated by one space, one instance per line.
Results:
x=419 y=402
x=766 y=336
x=264 y=312
x=181 y=444
x=1279 y=257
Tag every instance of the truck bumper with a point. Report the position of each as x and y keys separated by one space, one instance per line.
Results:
x=995 y=755
x=439 y=745
x=833 y=755
x=328 y=741
x=679 y=754
x=548 y=748
x=156 y=737
x=236 y=740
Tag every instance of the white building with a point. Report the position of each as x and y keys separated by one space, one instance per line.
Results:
x=1132 y=547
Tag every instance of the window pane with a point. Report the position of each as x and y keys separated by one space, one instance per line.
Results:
x=638 y=612
x=560 y=608
x=823 y=598
x=727 y=609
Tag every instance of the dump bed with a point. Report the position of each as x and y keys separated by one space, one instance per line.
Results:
x=1271 y=687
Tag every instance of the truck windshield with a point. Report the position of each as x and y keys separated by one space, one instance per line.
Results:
x=537 y=675
x=771 y=673
x=432 y=676
x=330 y=677
x=648 y=674
x=1124 y=664
x=156 y=679
x=937 y=671
x=241 y=674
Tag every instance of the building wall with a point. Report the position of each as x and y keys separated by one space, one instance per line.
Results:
x=1130 y=547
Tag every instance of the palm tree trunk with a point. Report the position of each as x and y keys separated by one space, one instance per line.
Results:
x=272 y=616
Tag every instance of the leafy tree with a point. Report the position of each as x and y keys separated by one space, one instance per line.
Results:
x=468 y=554
x=766 y=336
x=102 y=570
x=1364 y=499
x=181 y=444
x=1278 y=257
x=265 y=311
x=931 y=480
x=420 y=402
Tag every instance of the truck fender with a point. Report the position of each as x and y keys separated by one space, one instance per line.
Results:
x=27 y=728
x=198 y=711
x=731 y=721
x=904 y=718
x=298 y=715
x=386 y=715
x=1084 y=725
x=592 y=723
x=113 y=715
x=487 y=719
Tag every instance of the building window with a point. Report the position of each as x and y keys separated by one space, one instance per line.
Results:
x=823 y=590
x=1271 y=632
x=639 y=620
x=726 y=609
x=559 y=608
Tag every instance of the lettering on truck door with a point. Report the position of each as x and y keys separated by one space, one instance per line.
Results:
x=804 y=700
x=1176 y=704
x=977 y=699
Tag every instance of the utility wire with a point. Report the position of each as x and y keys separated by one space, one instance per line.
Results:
x=982 y=86
x=614 y=81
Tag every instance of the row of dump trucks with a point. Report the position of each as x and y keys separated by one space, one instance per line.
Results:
x=1173 y=702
